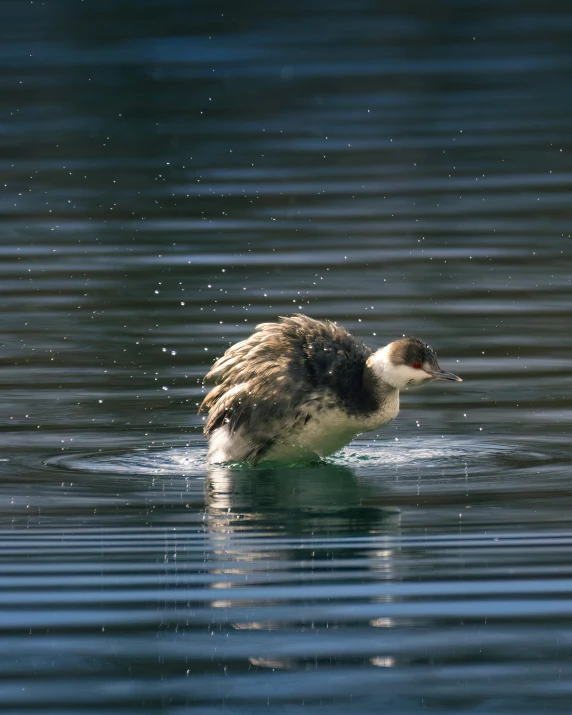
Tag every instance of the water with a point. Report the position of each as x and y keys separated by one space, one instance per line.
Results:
x=173 y=175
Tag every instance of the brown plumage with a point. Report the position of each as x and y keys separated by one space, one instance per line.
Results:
x=304 y=385
x=284 y=370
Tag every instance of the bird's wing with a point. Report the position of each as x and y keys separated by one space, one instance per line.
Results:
x=266 y=381
x=269 y=378
x=263 y=378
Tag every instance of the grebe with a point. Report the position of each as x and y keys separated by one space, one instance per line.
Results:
x=300 y=389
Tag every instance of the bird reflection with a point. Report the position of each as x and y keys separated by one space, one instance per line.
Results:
x=278 y=527
x=321 y=499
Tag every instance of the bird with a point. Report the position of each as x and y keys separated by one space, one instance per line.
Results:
x=300 y=389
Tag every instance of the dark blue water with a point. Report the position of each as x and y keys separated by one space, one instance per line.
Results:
x=175 y=173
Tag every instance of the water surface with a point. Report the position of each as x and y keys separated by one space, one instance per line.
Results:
x=173 y=176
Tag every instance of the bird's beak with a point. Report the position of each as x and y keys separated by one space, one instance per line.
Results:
x=439 y=374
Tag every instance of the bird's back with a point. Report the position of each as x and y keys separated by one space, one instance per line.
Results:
x=263 y=382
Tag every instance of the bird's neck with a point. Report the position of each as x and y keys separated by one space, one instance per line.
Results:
x=384 y=396
x=375 y=378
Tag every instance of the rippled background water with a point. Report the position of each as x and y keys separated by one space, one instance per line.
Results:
x=175 y=173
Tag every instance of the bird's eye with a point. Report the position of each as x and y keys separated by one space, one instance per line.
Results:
x=417 y=365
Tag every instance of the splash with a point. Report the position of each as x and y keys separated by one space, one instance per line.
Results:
x=191 y=459
x=170 y=462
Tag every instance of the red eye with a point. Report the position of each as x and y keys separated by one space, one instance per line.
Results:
x=417 y=365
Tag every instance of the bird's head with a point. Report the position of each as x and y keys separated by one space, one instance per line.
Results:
x=406 y=363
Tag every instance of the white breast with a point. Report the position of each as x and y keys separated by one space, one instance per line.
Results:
x=325 y=432
x=328 y=431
